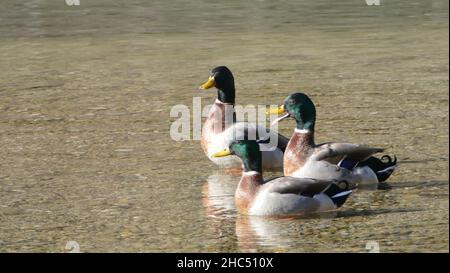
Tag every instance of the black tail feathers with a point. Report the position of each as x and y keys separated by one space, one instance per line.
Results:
x=383 y=168
x=338 y=192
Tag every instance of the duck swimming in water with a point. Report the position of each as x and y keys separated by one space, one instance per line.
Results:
x=329 y=161
x=221 y=128
x=282 y=195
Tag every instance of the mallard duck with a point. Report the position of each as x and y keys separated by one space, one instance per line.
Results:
x=337 y=161
x=221 y=128
x=281 y=195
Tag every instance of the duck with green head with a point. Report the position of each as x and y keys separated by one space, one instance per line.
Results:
x=282 y=195
x=304 y=158
x=221 y=128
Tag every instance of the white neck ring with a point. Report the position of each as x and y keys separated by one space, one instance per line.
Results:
x=221 y=102
x=251 y=173
x=301 y=131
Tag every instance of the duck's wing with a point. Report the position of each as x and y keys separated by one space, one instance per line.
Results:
x=281 y=143
x=265 y=135
x=245 y=130
x=289 y=195
x=338 y=151
x=299 y=186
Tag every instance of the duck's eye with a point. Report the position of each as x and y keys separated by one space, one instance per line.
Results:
x=290 y=102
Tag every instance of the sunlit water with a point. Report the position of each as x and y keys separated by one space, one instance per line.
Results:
x=85 y=95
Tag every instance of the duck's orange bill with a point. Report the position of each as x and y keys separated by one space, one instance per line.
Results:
x=208 y=84
x=222 y=153
x=276 y=111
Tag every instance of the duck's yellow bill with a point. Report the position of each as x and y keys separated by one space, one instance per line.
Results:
x=277 y=111
x=210 y=83
x=222 y=153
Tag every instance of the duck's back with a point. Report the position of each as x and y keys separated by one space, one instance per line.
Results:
x=270 y=201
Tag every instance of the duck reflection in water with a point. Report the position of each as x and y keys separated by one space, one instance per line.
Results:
x=275 y=234
x=218 y=201
x=218 y=192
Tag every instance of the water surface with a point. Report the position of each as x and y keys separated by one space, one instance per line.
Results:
x=85 y=95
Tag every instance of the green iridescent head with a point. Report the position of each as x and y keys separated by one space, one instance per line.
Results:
x=302 y=109
x=248 y=151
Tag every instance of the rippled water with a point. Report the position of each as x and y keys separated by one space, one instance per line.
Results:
x=85 y=94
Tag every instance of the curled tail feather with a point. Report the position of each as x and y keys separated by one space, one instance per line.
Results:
x=383 y=168
x=338 y=192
